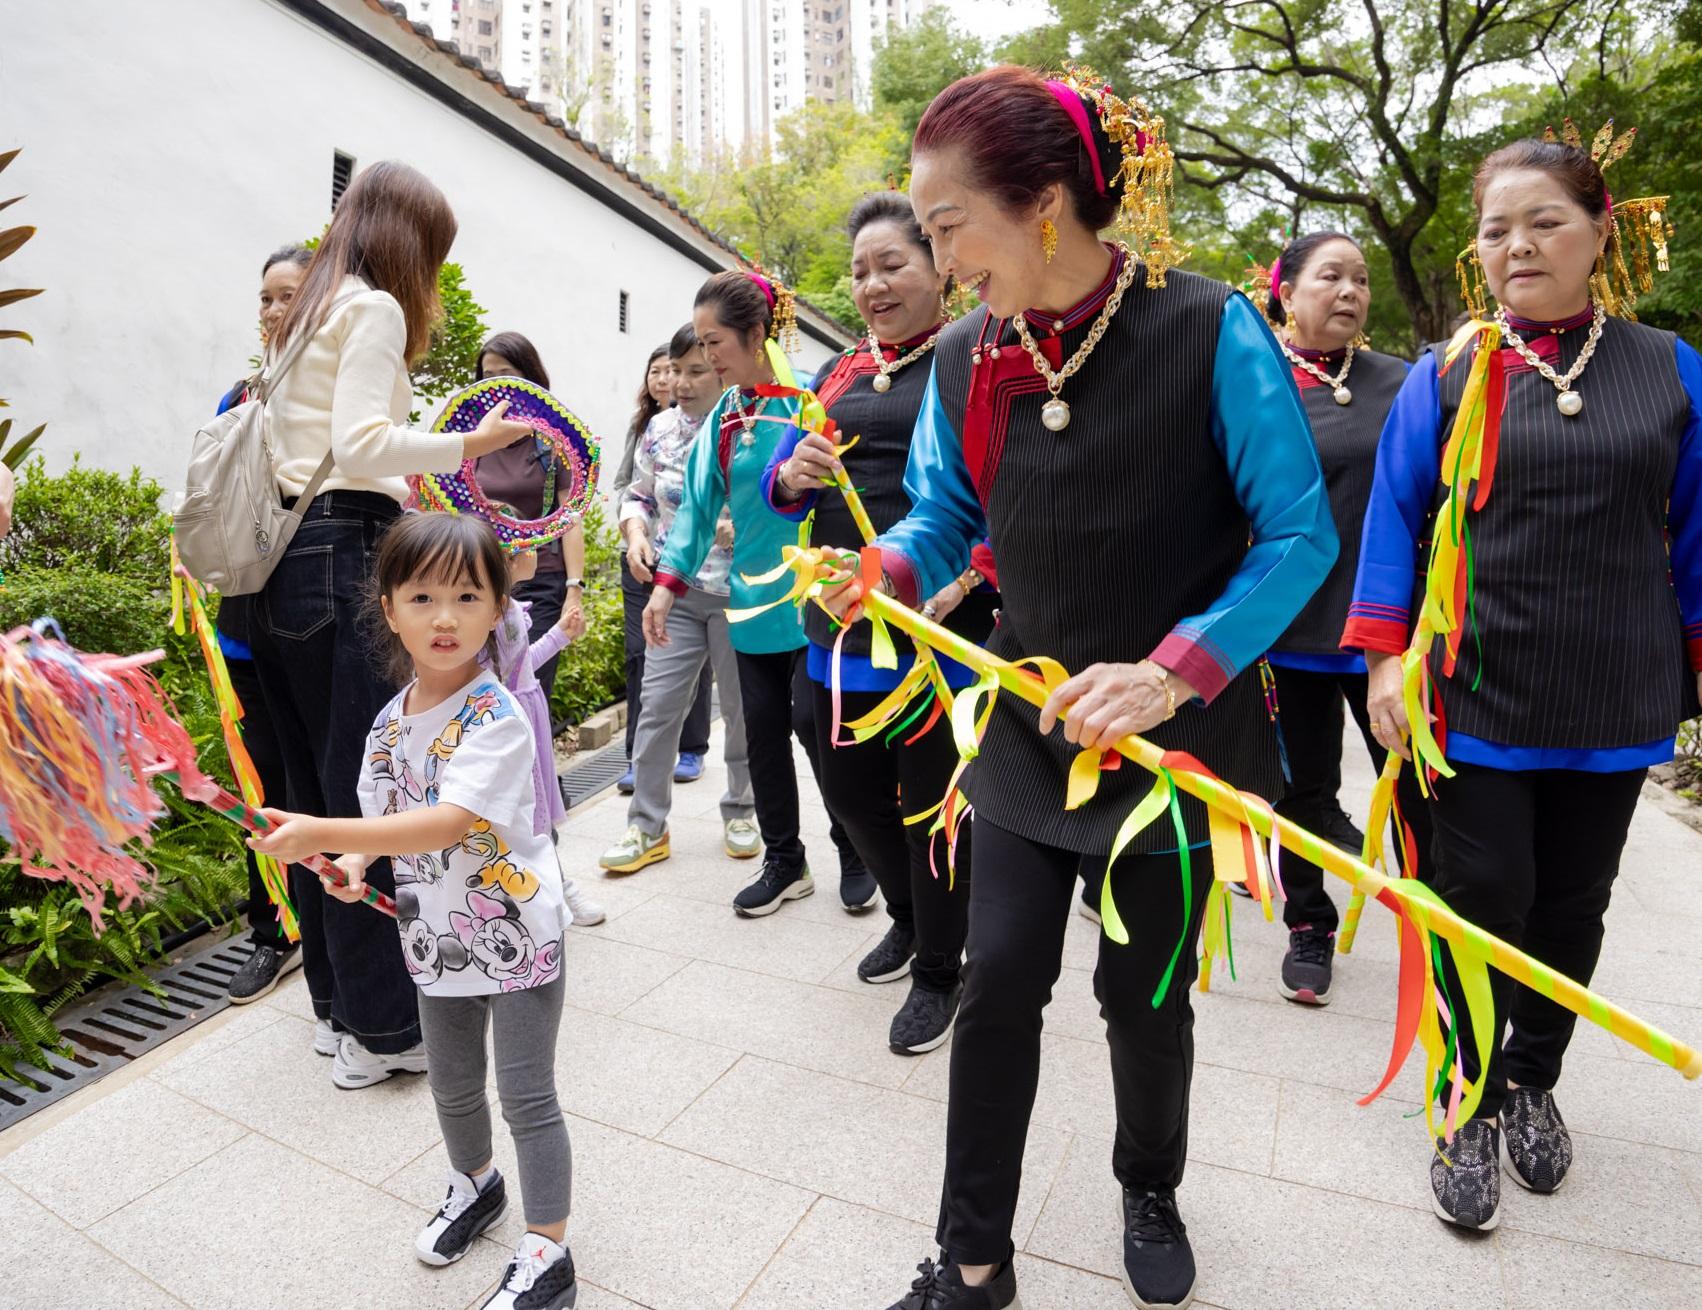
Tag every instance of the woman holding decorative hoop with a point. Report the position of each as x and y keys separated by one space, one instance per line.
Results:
x=528 y=478
x=741 y=320
x=365 y=306
x=1319 y=297
x=875 y=393
x=1565 y=499
x=1137 y=453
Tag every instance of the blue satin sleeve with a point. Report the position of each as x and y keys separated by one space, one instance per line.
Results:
x=1261 y=429
x=930 y=546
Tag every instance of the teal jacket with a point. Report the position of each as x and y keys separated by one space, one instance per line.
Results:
x=723 y=470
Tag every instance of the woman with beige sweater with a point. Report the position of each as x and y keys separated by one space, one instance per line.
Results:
x=366 y=306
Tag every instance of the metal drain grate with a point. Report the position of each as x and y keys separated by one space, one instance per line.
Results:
x=593 y=773
x=112 y=1028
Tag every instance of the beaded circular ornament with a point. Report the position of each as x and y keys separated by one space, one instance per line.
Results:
x=566 y=437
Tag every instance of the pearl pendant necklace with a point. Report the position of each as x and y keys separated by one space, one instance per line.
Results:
x=748 y=421
x=882 y=380
x=1339 y=382
x=1568 y=402
x=1055 y=413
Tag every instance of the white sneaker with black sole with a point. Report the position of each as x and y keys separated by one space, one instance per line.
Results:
x=465 y=1213
x=325 y=1038
x=354 y=1066
x=540 y=1277
x=262 y=971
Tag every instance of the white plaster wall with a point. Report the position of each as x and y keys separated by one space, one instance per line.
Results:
x=163 y=161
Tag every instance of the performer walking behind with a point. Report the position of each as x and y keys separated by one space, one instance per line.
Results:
x=1131 y=417
x=447 y=793
x=735 y=316
x=1579 y=593
x=696 y=629
x=875 y=393
x=1319 y=297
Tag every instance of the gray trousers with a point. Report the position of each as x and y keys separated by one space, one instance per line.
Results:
x=525 y=1024
x=697 y=631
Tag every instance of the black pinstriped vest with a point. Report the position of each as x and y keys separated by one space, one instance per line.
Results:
x=883 y=425
x=1346 y=437
x=1106 y=534
x=1581 y=642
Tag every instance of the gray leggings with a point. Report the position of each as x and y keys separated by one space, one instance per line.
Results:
x=526 y=1023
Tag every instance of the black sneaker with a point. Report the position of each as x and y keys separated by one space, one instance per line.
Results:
x=1468 y=1191
x=941 y=1288
x=1306 y=967
x=924 y=1020
x=890 y=960
x=1536 y=1149
x=540 y=1277
x=465 y=1213
x=1158 y=1263
x=261 y=973
x=773 y=887
x=857 y=888
x=1342 y=833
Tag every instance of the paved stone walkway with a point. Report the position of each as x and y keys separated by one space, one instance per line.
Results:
x=743 y=1138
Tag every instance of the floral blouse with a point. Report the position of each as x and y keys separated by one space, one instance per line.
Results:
x=658 y=487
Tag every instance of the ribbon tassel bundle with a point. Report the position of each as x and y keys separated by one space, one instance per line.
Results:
x=82 y=737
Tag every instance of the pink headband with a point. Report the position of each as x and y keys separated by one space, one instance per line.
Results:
x=763 y=285
x=1276 y=280
x=1073 y=106
x=1609 y=196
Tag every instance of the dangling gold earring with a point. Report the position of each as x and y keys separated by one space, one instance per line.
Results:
x=945 y=308
x=1288 y=325
x=1048 y=238
x=1361 y=342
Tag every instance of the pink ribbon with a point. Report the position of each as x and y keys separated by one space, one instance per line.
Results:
x=763 y=285
x=1077 y=111
x=1276 y=280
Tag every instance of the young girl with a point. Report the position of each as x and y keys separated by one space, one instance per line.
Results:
x=517 y=663
x=447 y=792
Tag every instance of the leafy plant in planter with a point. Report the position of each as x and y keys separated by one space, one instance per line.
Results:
x=592 y=672
x=91 y=549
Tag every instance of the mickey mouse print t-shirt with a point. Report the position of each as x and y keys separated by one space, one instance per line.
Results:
x=487 y=914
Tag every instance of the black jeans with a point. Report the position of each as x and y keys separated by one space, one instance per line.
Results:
x=263 y=748
x=875 y=786
x=545 y=594
x=1019 y=904
x=323 y=687
x=778 y=706
x=694 y=736
x=1310 y=717
x=1530 y=857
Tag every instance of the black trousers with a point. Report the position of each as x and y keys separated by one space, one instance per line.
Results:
x=694 y=737
x=1531 y=857
x=322 y=690
x=1310 y=709
x=263 y=748
x=1020 y=901
x=779 y=706
x=545 y=593
x=875 y=787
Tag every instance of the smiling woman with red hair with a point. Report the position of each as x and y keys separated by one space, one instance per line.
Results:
x=1132 y=443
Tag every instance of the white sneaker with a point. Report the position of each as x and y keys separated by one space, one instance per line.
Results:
x=540 y=1277
x=355 y=1066
x=325 y=1038
x=740 y=839
x=586 y=911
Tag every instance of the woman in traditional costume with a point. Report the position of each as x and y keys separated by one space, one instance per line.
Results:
x=1136 y=452
x=885 y=785
x=1554 y=451
x=1319 y=296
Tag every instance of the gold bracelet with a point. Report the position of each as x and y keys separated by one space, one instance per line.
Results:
x=1166 y=688
x=964 y=582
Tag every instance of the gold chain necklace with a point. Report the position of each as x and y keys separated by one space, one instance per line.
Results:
x=1568 y=402
x=1055 y=413
x=1339 y=382
x=882 y=381
x=748 y=421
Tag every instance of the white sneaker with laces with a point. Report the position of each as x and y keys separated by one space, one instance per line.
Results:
x=325 y=1038
x=585 y=911
x=355 y=1066
x=540 y=1277
x=465 y=1213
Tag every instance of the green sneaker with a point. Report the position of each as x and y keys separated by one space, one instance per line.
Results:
x=635 y=850
x=740 y=839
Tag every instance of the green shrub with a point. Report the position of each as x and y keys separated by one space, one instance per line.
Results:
x=91 y=548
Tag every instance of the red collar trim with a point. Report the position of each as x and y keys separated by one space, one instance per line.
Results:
x=1085 y=308
x=1526 y=327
